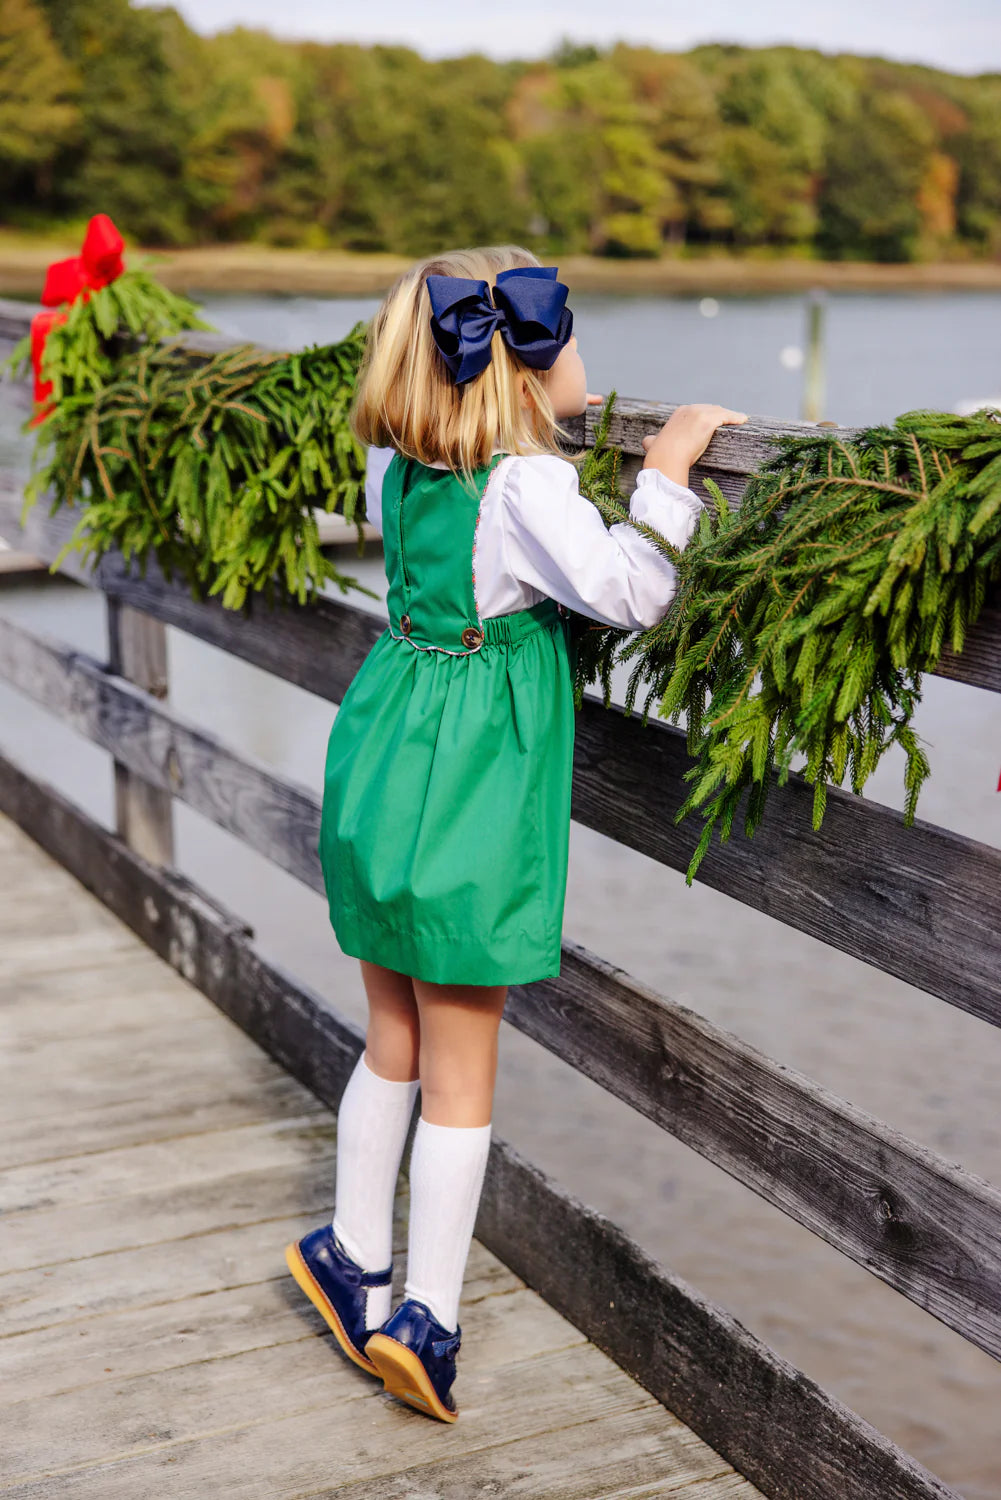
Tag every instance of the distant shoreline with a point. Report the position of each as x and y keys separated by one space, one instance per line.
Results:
x=260 y=270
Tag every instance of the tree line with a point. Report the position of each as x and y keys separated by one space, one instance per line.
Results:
x=621 y=151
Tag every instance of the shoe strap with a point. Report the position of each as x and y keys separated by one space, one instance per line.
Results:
x=446 y=1346
x=354 y=1273
x=376 y=1278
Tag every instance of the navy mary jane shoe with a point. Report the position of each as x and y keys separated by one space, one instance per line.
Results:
x=415 y=1355
x=336 y=1286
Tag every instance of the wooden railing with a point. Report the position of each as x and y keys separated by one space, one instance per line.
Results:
x=920 y=903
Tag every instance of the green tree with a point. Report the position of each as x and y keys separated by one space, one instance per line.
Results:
x=241 y=98
x=104 y=105
x=978 y=155
x=425 y=158
x=878 y=157
x=772 y=149
x=683 y=121
x=128 y=160
x=593 y=171
x=38 y=111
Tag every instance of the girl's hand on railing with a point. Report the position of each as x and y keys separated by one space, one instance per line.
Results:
x=685 y=436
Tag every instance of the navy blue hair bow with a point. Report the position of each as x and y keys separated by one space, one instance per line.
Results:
x=528 y=307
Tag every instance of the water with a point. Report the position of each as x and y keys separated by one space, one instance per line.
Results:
x=926 y=1068
x=885 y=354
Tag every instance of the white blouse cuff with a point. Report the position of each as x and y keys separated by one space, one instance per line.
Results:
x=654 y=481
x=667 y=506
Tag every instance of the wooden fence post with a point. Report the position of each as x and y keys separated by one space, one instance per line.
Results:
x=137 y=650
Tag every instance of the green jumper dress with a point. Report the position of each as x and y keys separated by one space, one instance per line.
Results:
x=445 y=827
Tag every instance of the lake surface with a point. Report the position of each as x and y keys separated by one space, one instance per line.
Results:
x=928 y=1069
x=884 y=354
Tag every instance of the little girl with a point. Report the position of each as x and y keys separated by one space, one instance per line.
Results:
x=446 y=809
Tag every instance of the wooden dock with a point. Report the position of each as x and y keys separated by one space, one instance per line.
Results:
x=154 y=1163
x=157 y=1088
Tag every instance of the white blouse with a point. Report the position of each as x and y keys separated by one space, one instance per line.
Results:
x=539 y=537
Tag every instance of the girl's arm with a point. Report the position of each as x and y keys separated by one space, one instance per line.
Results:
x=555 y=540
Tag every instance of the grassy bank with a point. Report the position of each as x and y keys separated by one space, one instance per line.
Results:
x=260 y=269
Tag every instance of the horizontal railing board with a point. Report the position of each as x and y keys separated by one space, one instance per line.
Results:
x=979 y=662
x=924 y=1226
x=42 y=535
x=732 y=454
x=15 y=318
x=921 y=903
x=978 y=665
x=771 y=1422
x=736 y=449
x=919 y=1223
x=244 y=796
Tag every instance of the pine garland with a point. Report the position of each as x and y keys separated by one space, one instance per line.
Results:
x=802 y=623
x=213 y=466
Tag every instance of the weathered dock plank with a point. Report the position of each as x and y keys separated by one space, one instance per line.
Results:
x=126 y=1114
x=913 y=1219
x=747 y=1402
x=153 y=1341
x=183 y=1162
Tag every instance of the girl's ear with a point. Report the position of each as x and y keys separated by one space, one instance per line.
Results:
x=523 y=395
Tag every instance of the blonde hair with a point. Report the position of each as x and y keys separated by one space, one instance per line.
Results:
x=406 y=398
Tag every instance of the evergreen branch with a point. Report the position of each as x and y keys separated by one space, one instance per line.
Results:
x=212 y=466
x=844 y=573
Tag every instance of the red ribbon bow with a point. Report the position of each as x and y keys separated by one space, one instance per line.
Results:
x=99 y=262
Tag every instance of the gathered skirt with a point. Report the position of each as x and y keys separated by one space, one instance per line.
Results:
x=445 y=826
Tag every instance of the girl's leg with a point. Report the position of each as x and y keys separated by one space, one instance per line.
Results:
x=393 y=1039
x=373 y=1119
x=458 y=1050
x=458 y=1068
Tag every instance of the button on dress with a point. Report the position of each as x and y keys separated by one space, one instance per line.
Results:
x=445 y=825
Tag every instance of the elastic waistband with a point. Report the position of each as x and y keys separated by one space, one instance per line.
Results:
x=502 y=629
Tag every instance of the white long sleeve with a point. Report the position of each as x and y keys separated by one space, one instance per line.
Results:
x=377 y=463
x=556 y=542
x=539 y=537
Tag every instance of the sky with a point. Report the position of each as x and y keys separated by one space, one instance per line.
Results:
x=963 y=37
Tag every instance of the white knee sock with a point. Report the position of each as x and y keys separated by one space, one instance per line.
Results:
x=447 y=1167
x=373 y=1118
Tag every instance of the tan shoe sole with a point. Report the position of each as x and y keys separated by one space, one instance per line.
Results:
x=404 y=1376
x=316 y=1295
